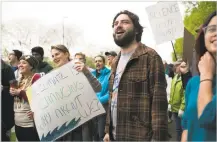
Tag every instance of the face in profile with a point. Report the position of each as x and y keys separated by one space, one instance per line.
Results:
x=210 y=36
x=110 y=59
x=12 y=58
x=59 y=58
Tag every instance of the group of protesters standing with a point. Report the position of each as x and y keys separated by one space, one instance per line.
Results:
x=132 y=88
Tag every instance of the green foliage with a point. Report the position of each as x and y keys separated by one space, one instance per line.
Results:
x=198 y=15
x=49 y=61
x=5 y=52
x=195 y=15
x=178 y=49
x=90 y=62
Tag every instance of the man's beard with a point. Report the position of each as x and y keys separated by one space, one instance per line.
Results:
x=126 y=39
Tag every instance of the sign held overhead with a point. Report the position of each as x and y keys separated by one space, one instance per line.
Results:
x=166 y=21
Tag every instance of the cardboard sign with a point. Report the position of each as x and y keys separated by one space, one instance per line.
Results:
x=188 y=45
x=61 y=101
x=166 y=21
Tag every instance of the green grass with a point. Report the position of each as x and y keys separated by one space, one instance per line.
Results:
x=13 y=137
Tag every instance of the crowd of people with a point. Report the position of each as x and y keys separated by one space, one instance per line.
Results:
x=140 y=93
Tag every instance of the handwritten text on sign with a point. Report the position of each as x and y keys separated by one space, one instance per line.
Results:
x=61 y=101
x=166 y=21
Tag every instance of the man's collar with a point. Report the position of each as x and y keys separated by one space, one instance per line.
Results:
x=140 y=50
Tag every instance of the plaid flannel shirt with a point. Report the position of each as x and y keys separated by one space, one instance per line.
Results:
x=142 y=98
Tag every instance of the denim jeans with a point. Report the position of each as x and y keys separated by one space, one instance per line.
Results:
x=99 y=123
x=87 y=134
x=75 y=135
x=178 y=126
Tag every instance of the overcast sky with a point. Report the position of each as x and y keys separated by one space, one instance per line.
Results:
x=94 y=18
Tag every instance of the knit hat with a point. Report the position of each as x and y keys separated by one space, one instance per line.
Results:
x=31 y=60
x=17 y=53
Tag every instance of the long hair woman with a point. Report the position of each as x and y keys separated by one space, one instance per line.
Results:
x=199 y=120
x=61 y=56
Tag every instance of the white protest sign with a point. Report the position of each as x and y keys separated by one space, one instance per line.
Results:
x=166 y=21
x=61 y=101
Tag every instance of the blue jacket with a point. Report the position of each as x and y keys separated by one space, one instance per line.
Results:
x=103 y=78
x=203 y=128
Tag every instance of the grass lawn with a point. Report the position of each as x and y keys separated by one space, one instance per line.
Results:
x=13 y=135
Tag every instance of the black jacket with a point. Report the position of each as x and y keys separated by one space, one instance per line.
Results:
x=7 y=106
x=44 y=67
x=185 y=78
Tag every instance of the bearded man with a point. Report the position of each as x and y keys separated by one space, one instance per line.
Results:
x=138 y=99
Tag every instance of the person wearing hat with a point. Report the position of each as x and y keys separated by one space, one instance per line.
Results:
x=24 y=123
x=110 y=56
x=14 y=58
x=177 y=99
x=43 y=67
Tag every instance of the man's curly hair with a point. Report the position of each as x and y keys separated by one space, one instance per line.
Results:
x=135 y=20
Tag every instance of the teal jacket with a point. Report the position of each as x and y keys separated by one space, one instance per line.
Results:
x=177 y=99
x=203 y=128
x=103 y=78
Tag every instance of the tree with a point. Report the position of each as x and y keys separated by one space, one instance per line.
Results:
x=49 y=36
x=195 y=15
x=18 y=34
x=49 y=61
x=198 y=15
x=90 y=62
x=5 y=54
x=178 y=49
x=72 y=33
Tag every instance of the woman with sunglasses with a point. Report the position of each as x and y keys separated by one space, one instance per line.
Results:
x=61 y=56
x=199 y=119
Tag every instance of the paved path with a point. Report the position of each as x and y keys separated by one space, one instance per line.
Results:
x=172 y=131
